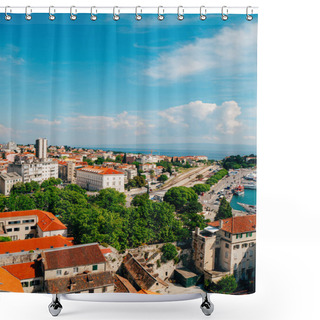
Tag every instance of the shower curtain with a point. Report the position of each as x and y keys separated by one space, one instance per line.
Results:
x=128 y=154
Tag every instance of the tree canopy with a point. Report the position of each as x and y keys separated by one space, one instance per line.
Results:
x=224 y=211
x=180 y=196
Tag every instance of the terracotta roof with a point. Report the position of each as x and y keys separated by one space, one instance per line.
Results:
x=238 y=224
x=35 y=244
x=106 y=250
x=142 y=291
x=80 y=282
x=67 y=257
x=22 y=271
x=123 y=285
x=100 y=170
x=8 y=282
x=142 y=277
x=46 y=220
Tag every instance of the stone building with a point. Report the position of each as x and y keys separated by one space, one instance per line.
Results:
x=225 y=247
x=81 y=268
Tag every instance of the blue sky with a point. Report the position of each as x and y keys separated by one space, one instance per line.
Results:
x=127 y=82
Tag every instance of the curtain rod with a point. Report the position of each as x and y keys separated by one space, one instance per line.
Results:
x=140 y=10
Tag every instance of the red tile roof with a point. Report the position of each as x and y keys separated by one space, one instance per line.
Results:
x=123 y=285
x=22 y=271
x=81 y=255
x=8 y=282
x=100 y=170
x=46 y=220
x=35 y=244
x=239 y=224
x=106 y=250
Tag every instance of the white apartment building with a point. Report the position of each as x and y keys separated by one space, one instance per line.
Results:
x=95 y=178
x=7 y=181
x=32 y=170
x=41 y=148
x=21 y=225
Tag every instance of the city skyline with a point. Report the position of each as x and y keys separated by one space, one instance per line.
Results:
x=175 y=92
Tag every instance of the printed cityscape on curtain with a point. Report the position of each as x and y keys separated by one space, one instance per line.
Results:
x=128 y=154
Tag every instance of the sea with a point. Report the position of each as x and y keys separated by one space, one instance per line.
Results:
x=212 y=151
x=249 y=197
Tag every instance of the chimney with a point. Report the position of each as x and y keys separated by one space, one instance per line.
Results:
x=197 y=230
x=221 y=224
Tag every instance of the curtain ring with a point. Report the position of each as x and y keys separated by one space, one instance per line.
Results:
x=180 y=14
x=93 y=17
x=6 y=15
x=51 y=15
x=203 y=13
x=249 y=17
x=28 y=13
x=116 y=17
x=73 y=16
x=160 y=16
x=138 y=16
x=224 y=15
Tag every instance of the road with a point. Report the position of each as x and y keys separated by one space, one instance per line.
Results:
x=210 y=200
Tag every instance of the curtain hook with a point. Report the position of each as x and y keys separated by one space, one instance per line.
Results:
x=138 y=16
x=203 y=13
x=160 y=16
x=249 y=17
x=116 y=17
x=224 y=16
x=93 y=16
x=6 y=15
x=51 y=11
x=180 y=14
x=73 y=16
x=28 y=13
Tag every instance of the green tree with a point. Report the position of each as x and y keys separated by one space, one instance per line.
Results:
x=169 y=252
x=163 y=178
x=199 y=188
x=3 y=203
x=109 y=198
x=5 y=239
x=180 y=196
x=199 y=176
x=227 y=284
x=224 y=211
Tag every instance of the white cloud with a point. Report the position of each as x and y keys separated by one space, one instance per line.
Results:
x=11 y=59
x=45 y=122
x=228 y=114
x=121 y=121
x=226 y=49
x=184 y=113
x=199 y=115
x=4 y=130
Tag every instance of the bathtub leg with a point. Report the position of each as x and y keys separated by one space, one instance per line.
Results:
x=55 y=306
x=206 y=305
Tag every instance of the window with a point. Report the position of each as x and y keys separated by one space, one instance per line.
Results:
x=251 y=244
x=9 y=230
x=28 y=221
x=251 y=253
x=227 y=245
x=94 y=267
x=226 y=255
x=16 y=229
x=14 y=222
x=25 y=284
x=59 y=272
x=236 y=247
x=75 y=269
x=34 y=283
x=244 y=245
x=26 y=228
